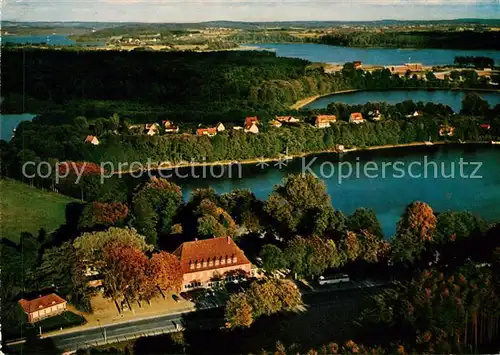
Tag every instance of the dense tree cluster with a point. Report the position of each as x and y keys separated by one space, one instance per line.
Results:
x=477 y=62
x=439 y=313
x=187 y=87
x=265 y=298
x=155 y=205
x=420 y=39
x=118 y=255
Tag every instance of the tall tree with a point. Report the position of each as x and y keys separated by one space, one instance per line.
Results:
x=63 y=269
x=311 y=256
x=125 y=271
x=238 y=312
x=214 y=221
x=89 y=246
x=473 y=104
x=165 y=269
x=364 y=219
x=164 y=198
x=272 y=258
x=102 y=214
x=416 y=228
x=293 y=204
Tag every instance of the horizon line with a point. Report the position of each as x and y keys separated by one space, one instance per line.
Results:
x=265 y=21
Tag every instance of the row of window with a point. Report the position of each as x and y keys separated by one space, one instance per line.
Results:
x=211 y=263
x=214 y=283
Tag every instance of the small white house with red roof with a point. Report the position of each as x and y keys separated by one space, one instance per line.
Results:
x=92 y=140
x=356 y=117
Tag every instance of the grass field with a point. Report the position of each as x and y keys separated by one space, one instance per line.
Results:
x=27 y=209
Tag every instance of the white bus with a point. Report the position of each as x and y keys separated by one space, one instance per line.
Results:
x=334 y=279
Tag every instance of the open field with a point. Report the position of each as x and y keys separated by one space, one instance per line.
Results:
x=27 y=209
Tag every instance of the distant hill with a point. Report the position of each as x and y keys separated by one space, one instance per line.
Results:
x=247 y=25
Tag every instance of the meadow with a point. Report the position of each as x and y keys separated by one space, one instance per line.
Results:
x=28 y=209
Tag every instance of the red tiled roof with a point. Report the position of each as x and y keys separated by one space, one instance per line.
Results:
x=485 y=126
x=356 y=116
x=250 y=120
x=285 y=118
x=203 y=131
x=89 y=139
x=326 y=118
x=41 y=303
x=208 y=250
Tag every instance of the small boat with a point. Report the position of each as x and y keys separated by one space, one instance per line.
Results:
x=493 y=142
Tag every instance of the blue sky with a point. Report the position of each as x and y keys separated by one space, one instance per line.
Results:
x=245 y=10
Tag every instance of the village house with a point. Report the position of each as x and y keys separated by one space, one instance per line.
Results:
x=251 y=125
x=357 y=64
x=324 y=121
x=485 y=126
x=169 y=126
x=375 y=115
x=151 y=128
x=43 y=307
x=212 y=131
x=251 y=120
x=275 y=123
x=220 y=127
x=446 y=131
x=414 y=114
x=402 y=69
x=287 y=119
x=252 y=128
x=397 y=69
x=356 y=117
x=203 y=262
x=414 y=66
x=92 y=140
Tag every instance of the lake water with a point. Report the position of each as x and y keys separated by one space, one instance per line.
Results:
x=54 y=40
x=10 y=122
x=451 y=98
x=375 y=56
x=387 y=195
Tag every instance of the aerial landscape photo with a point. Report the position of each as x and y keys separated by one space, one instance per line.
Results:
x=228 y=177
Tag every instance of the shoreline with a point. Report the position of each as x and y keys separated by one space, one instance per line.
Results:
x=306 y=101
x=167 y=166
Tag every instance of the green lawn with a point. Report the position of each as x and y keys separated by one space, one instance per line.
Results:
x=64 y=320
x=27 y=209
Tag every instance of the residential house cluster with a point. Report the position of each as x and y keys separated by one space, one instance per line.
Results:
x=325 y=121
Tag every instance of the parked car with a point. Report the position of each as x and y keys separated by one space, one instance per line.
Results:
x=193 y=294
x=334 y=279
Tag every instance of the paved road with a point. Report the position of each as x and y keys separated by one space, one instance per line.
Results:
x=341 y=296
x=118 y=332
